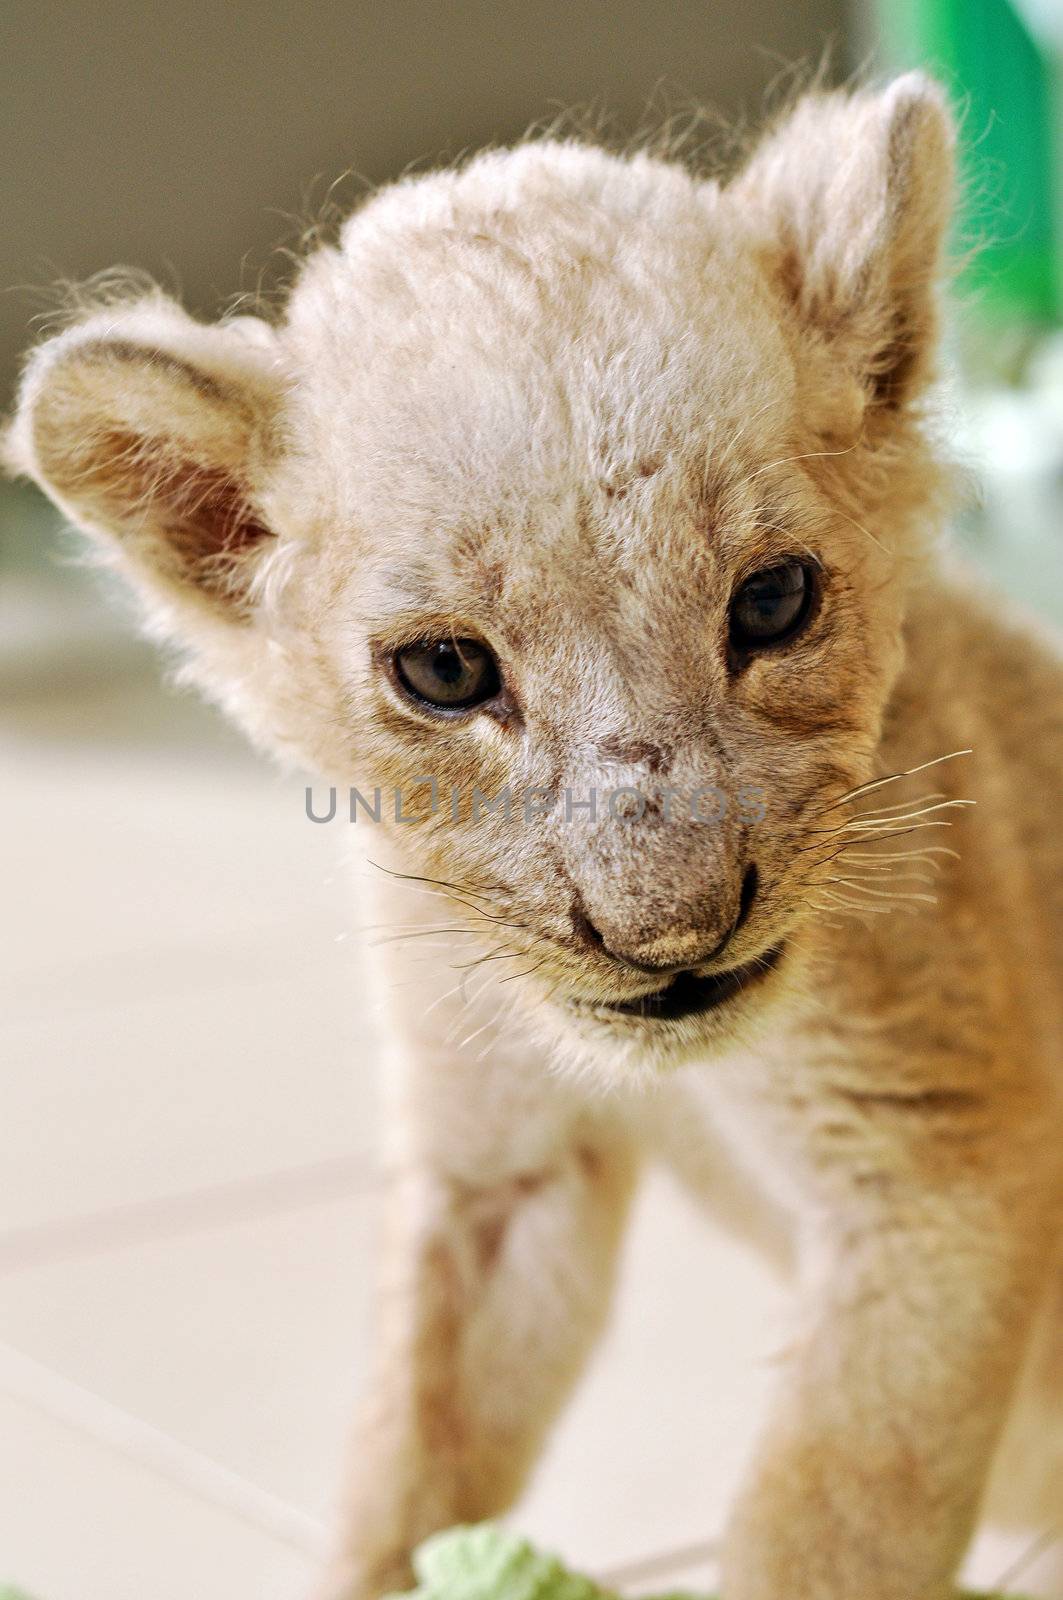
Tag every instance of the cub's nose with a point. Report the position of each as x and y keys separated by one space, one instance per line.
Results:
x=664 y=956
x=669 y=950
x=657 y=956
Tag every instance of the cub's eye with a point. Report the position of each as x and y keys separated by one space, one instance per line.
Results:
x=450 y=673
x=771 y=605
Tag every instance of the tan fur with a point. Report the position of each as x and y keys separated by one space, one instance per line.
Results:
x=566 y=402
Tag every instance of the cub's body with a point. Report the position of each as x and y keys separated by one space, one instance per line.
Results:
x=639 y=467
x=908 y=1033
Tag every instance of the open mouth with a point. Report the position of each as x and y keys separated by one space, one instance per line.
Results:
x=691 y=995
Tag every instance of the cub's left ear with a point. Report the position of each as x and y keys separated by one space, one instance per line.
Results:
x=155 y=433
x=849 y=198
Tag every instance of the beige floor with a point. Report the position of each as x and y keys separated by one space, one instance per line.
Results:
x=188 y=1205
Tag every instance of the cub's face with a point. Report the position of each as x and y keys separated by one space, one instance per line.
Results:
x=572 y=503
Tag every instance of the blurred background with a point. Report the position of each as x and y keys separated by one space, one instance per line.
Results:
x=189 y=1195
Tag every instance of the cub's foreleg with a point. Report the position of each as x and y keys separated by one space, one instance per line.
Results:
x=496 y=1280
x=936 y=1223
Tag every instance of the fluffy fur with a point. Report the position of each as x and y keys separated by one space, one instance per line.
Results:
x=566 y=402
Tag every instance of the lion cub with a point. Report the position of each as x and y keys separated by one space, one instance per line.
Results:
x=590 y=509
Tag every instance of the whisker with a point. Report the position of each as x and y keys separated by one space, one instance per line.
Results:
x=440 y=999
x=728 y=448
x=886 y=551
x=468 y=999
x=846 y=908
x=869 y=818
x=439 y=883
x=401 y=925
x=899 y=805
x=841 y=900
x=884 y=894
x=894 y=777
x=865 y=820
x=502 y=1011
x=451 y=896
x=526 y=974
x=506 y=954
x=809 y=455
x=887 y=875
x=925 y=855
x=475 y=1034
x=886 y=832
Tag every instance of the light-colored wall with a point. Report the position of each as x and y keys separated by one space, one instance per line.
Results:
x=175 y=136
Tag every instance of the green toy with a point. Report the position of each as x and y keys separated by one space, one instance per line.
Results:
x=487 y=1562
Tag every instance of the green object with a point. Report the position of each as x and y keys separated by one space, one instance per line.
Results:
x=487 y=1562
x=1007 y=83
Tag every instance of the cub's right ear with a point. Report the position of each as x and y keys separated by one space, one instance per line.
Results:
x=156 y=434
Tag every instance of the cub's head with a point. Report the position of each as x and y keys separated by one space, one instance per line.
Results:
x=585 y=487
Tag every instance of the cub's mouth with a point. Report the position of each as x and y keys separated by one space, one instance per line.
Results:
x=688 y=994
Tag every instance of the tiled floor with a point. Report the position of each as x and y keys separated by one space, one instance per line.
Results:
x=188 y=1210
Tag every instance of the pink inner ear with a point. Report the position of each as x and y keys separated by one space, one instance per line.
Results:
x=193 y=521
x=210 y=513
